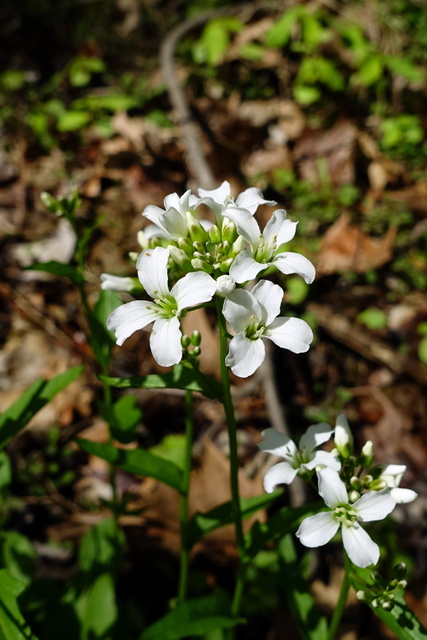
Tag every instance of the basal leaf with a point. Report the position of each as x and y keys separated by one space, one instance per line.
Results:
x=136 y=461
x=182 y=376
x=31 y=401
x=193 y=618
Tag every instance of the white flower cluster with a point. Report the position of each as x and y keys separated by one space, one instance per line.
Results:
x=353 y=491
x=204 y=259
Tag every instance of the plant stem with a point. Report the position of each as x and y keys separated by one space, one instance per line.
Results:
x=234 y=462
x=184 y=555
x=339 y=609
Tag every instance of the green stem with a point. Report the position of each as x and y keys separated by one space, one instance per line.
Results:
x=234 y=461
x=184 y=556
x=339 y=609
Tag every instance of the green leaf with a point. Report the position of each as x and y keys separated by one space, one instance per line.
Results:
x=183 y=376
x=252 y=51
x=172 y=448
x=136 y=461
x=200 y=524
x=284 y=521
x=31 y=401
x=306 y=95
x=403 y=67
x=193 y=618
x=101 y=339
x=280 y=32
x=12 y=623
x=124 y=416
x=300 y=601
x=18 y=555
x=422 y=350
x=5 y=471
x=101 y=548
x=73 y=120
x=97 y=607
x=58 y=269
x=373 y=318
x=370 y=71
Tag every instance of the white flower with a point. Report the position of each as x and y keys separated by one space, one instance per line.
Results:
x=172 y=221
x=253 y=315
x=117 y=283
x=266 y=247
x=392 y=475
x=343 y=437
x=317 y=530
x=165 y=311
x=220 y=199
x=297 y=458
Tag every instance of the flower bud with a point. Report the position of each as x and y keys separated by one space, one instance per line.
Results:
x=185 y=341
x=229 y=231
x=238 y=246
x=178 y=255
x=226 y=264
x=196 y=338
x=201 y=265
x=214 y=234
x=402 y=584
x=400 y=570
x=186 y=245
x=225 y=285
x=362 y=596
x=343 y=436
x=378 y=484
x=387 y=605
x=195 y=229
x=355 y=483
x=353 y=496
x=367 y=454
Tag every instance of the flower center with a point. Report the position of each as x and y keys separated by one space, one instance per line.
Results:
x=167 y=306
x=265 y=250
x=254 y=329
x=345 y=515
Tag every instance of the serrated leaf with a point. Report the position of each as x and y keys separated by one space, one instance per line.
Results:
x=193 y=618
x=136 y=461
x=200 y=524
x=183 y=376
x=31 y=401
x=58 y=269
x=12 y=623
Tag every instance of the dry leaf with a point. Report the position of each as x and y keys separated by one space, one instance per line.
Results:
x=345 y=247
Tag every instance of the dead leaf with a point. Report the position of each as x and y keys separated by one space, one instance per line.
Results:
x=335 y=147
x=345 y=247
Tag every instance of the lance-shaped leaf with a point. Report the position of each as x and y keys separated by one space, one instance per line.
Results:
x=59 y=269
x=12 y=623
x=183 y=376
x=137 y=461
x=31 y=401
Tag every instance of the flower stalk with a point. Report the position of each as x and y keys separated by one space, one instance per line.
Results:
x=184 y=555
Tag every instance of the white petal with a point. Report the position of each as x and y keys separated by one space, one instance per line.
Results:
x=279 y=444
x=239 y=308
x=245 y=268
x=152 y=266
x=218 y=195
x=332 y=488
x=165 y=342
x=244 y=355
x=317 y=530
x=150 y=231
x=323 y=459
x=281 y=473
x=279 y=229
x=270 y=298
x=152 y=213
x=246 y=225
x=402 y=496
x=361 y=549
x=174 y=224
x=171 y=201
x=374 y=505
x=316 y=435
x=131 y=317
x=194 y=288
x=289 y=262
x=251 y=199
x=392 y=473
x=290 y=333
x=117 y=283
x=343 y=437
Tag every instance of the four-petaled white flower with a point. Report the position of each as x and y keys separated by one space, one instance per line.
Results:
x=319 y=529
x=253 y=315
x=392 y=474
x=172 y=221
x=297 y=458
x=266 y=248
x=191 y=290
x=220 y=199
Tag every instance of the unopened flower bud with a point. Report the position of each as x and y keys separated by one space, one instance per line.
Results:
x=229 y=231
x=387 y=605
x=195 y=338
x=178 y=255
x=367 y=479
x=186 y=245
x=355 y=483
x=214 y=234
x=378 y=484
x=343 y=436
x=226 y=264
x=375 y=603
x=199 y=247
x=201 y=265
x=400 y=570
x=238 y=246
x=185 y=342
x=367 y=454
x=362 y=596
x=225 y=285
x=195 y=229
x=402 y=584
x=353 y=496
